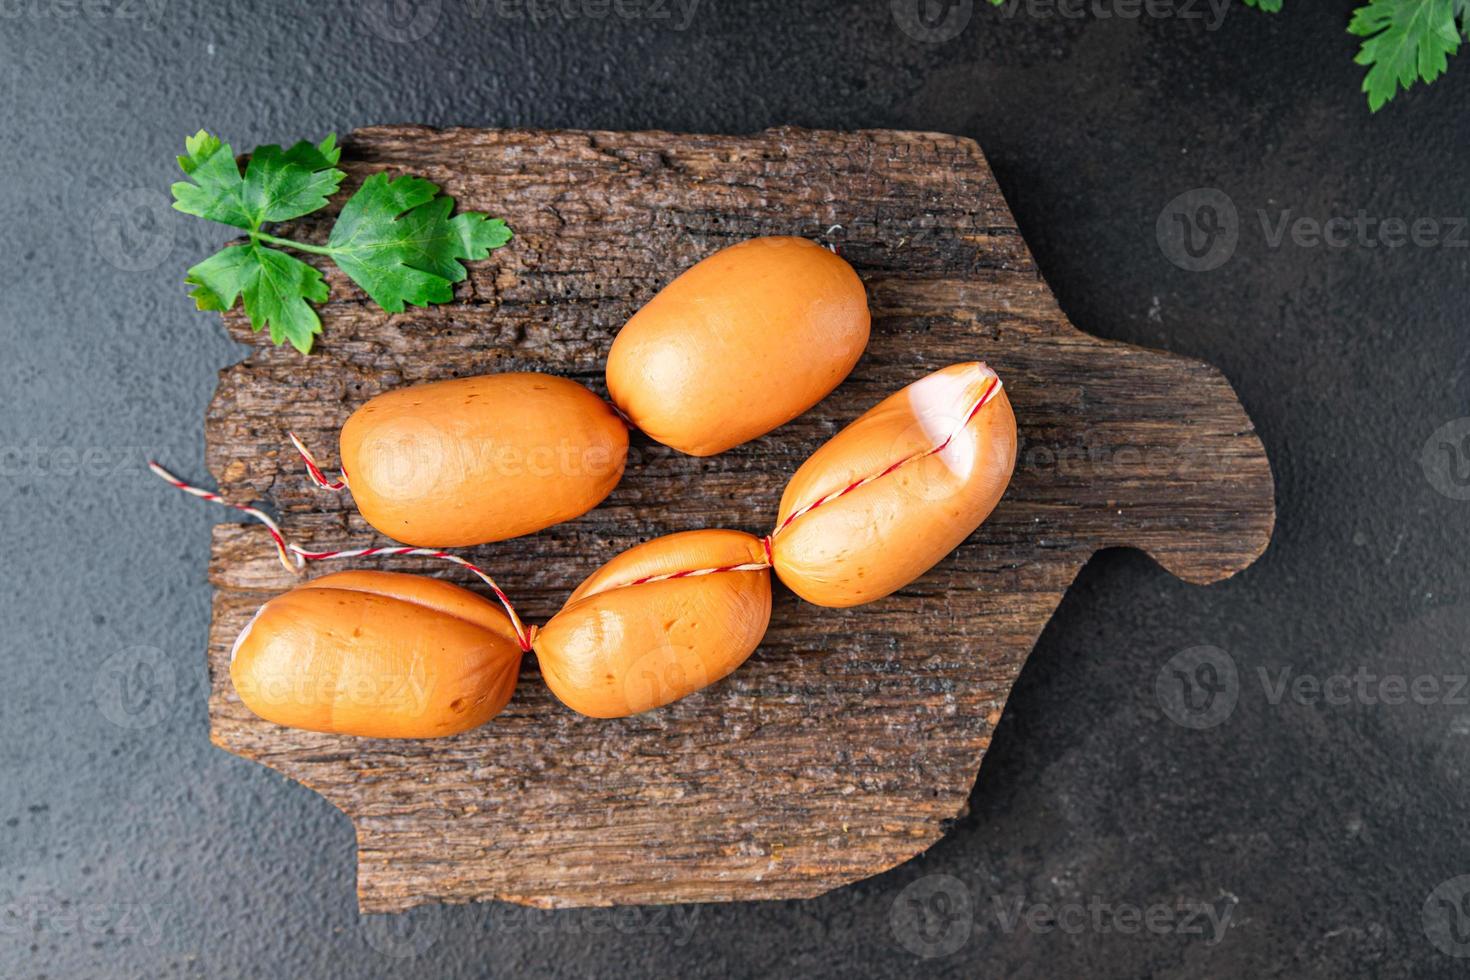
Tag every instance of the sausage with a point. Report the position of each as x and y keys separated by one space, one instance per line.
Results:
x=378 y=654
x=464 y=462
x=893 y=493
x=642 y=630
x=742 y=342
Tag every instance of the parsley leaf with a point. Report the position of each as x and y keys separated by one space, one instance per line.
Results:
x=1404 y=41
x=396 y=240
x=215 y=192
x=1269 y=6
x=277 y=184
x=275 y=287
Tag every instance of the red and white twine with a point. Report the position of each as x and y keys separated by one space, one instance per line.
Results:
x=294 y=557
x=315 y=471
x=283 y=548
x=990 y=392
x=750 y=566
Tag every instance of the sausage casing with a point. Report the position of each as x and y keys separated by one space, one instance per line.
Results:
x=881 y=502
x=378 y=654
x=622 y=645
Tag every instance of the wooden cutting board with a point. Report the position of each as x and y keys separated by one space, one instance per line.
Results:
x=852 y=736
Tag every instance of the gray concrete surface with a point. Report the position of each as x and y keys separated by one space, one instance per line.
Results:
x=1287 y=828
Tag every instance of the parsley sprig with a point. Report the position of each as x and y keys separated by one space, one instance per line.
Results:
x=1405 y=41
x=394 y=237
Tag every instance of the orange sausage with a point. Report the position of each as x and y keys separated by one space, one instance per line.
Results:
x=379 y=654
x=456 y=463
x=744 y=341
x=837 y=544
x=622 y=645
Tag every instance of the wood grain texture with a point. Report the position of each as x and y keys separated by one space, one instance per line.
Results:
x=851 y=736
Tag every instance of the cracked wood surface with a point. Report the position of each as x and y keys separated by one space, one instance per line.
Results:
x=851 y=737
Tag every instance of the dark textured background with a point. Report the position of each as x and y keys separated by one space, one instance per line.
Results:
x=131 y=847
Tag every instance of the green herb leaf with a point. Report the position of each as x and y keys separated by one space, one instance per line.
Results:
x=1404 y=41
x=215 y=193
x=396 y=240
x=199 y=147
x=277 y=184
x=274 y=285
x=1269 y=6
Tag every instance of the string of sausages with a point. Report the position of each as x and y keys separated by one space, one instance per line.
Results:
x=294 y=558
